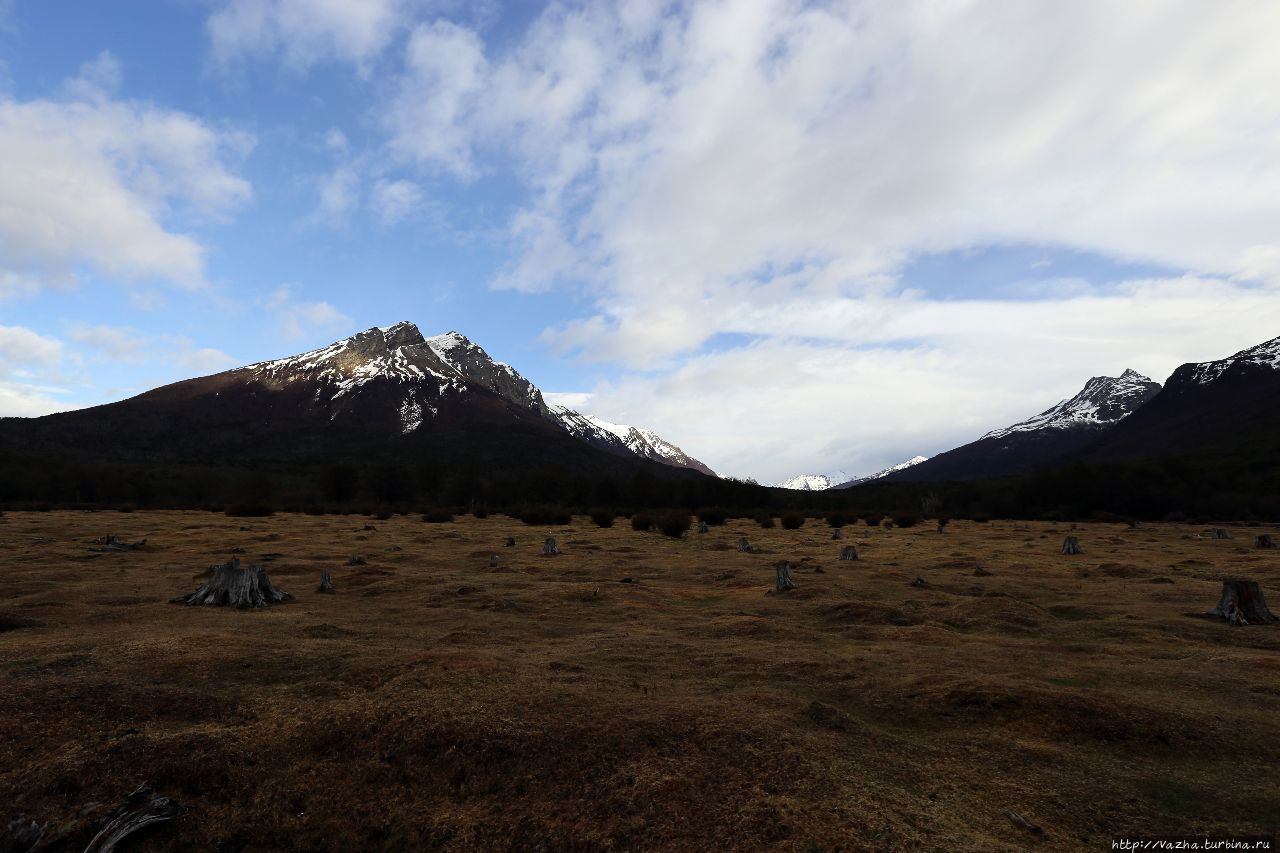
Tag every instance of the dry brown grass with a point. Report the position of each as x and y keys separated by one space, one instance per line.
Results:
x=543 y=704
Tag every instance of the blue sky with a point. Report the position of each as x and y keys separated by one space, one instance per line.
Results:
x=788 y=236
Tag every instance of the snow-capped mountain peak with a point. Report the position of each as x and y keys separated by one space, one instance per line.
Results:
x=1265 y=355
x=1103 y=401
x=625 y=438
x=808 y=483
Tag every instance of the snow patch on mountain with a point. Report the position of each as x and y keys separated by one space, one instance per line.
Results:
x=1103 y=401
x=1263 y=355
x=808 y=483
x=636 y=440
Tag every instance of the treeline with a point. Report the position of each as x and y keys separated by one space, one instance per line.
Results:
x=1223 y=489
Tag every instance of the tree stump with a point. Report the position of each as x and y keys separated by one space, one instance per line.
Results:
x=139 y=811
x=1219 y=533
x=356 y=561
x=942 y=524
x=111 y=542
x=549 y=548
x=783 y=581
x=1242 y=604
x=22 y=836
x=744 y=545
x=228 y=585
x=703 y=528
x=837 y=534
x=511 y=542
x=1264 y=540
x=920 y=582
x=1071 y=545
x=848 y=552
x=980 y=572
x=326 y=582
x=493 y=561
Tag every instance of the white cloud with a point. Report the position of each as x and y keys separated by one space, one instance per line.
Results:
x=29 y=363
x=394 y=201
x=297 y=318
x=305 y=32
x=339 y=197
x=89 y=180
x=117 y=343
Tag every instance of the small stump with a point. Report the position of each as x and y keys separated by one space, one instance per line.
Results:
x=549 y=548
x=326 y=582
x=703 y=528
x=980 y=572
x=111 y=542
x=139 y=811
x=783 y=581
x=356 y=561
x=1264 y=540
x=848 y=552
x=1219 y=533
x=493 y=561
x=231 y=586
x=919 y=582
x=1071 y=545
x=836 y=534
x=511 y=542
x=942 y=524
x=1242 y=604
x=744 y=545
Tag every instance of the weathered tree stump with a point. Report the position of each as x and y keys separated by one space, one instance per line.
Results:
x=942 y=524
x=326 y=582
x=549 y=548
x=1264 y=540
x=22 y=835
x=139 y=811
x=493 y=561
x=848 y=552
x=744 y=546
x=837 y=534
x=1219 y=533
x=783 y=581
x=1071 y=545
x=228 y=585
x=356 y=561
x=703 y=527
x=1242 y=604
x=920 y=582
x=511 y=542
x=980 y=572
x=111 y=542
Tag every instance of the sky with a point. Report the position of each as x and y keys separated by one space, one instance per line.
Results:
x=790 y=237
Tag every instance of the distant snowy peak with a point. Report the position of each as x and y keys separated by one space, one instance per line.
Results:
x=1265 y=355
x=1104 y=400
x=901 y=466
x=808 y=483
x=636 y=440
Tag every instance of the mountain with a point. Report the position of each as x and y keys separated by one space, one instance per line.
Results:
x=892 y=469
x=382 y=390
x=625 y=439
x=1229 y=407
x=1074 y=423
x=808 y=483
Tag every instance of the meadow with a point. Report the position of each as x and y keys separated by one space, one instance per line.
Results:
x=636 y=691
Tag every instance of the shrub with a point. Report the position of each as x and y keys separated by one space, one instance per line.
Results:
x=250 y=509
x=480 y=512
x=602 y=517
x=674 y=522
x=438 y=516
x=792 y=521
x=905 y=519
x=537 y=515
x=313 y=510
x=980 y=518
x=385 y=516
x=713 y=515
x=765 y=520
x=874 y=520
x=641 y=521
x=836 y=519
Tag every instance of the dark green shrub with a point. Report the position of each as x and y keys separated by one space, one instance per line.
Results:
x=480 y=512
x=980 y=518
x=674 y=522
x=765 y=520
x=602 y=517
x=437 y=516
x=539 y=515
x=792 y=521
x=641 y=521
x=713 y=515
x=905 y=519
x=836 y=519
x=313 y=510
x=873 y=520
x=250 y=509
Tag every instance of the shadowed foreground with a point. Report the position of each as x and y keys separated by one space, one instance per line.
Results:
x=434 y=701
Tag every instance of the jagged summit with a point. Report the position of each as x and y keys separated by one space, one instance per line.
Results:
x=1103 y=401
x=1264 y=355
x=637 y=440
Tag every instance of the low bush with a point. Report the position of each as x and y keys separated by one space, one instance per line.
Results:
x=792 y=521
x=837 y=519
x=874 y=520
x=765 y=520
x=538 y=515
x=905 y=519
x=674 y=522
x=602 y=517
x=980 y=518
x=437 y=516
x=641 y=521
x=250 y=509
x=713 y=515
x=480 y=512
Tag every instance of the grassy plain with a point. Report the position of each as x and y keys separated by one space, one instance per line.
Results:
x=436 y=702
